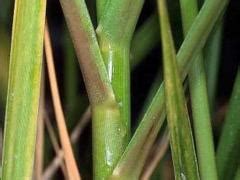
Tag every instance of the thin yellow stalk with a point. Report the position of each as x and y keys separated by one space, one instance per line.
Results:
x=56 y=148
x=75 y=135
x=39 y=154
x=64 y=137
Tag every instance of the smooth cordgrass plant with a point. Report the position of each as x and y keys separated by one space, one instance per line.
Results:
x=110 y=41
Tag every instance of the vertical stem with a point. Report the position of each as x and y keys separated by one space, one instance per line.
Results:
x=199 y=99
x=114 y=32
x=116 y=58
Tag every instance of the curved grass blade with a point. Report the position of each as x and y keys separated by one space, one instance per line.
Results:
x=229 y=146
x=24 y=89
x=199 y=101
x=181 y=140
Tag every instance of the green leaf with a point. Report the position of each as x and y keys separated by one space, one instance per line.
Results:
x=199 y=101
x=229 y=146
x=24 y=89
x=181 y=140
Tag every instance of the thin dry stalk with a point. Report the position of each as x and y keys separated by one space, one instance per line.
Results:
x=83 y=122
x=75 y=135
x=158 y=154
x=56 y=147
x=70 y=162
x=40 y=137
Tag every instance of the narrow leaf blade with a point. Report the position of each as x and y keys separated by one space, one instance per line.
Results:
x=182 y=145
x=24 y=89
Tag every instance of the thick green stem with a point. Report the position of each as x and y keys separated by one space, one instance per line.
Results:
x=199 y=99
x=24 y=89
x=116 y=26
x=108 y=138
x=117 y=62
x=114 y=35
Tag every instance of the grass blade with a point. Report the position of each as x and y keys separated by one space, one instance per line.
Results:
x=181 y=140
x=155 y=114
x=24 y=89
x=199 y=101
x=229 y=147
